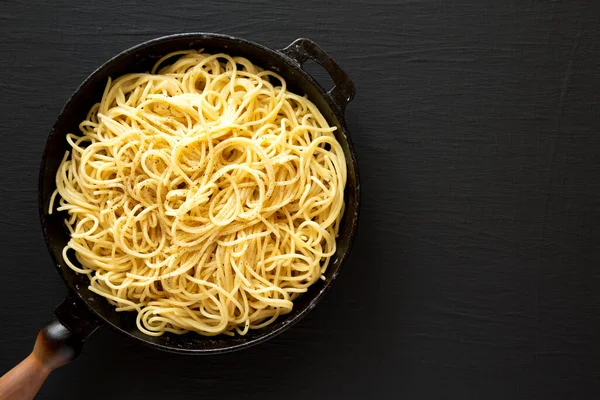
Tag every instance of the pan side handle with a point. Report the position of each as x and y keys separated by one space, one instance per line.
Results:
x=57 y=344
x=304 y=49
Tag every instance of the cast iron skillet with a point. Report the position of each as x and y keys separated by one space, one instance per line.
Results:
x=83 y=311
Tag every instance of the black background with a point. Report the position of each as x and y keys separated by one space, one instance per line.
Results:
x=475 y=272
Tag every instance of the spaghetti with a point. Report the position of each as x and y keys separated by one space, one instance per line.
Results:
x=203 y=195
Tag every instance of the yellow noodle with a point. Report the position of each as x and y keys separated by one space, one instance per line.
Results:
x=204 y=195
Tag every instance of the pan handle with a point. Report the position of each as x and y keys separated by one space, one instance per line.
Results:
x=304 y=49
x=57 y=344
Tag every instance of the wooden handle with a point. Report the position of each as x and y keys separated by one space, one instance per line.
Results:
x=54 y=347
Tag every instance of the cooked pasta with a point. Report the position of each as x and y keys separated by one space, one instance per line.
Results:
x=202 y=195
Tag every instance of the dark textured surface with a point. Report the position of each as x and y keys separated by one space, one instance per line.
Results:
x=475 y=272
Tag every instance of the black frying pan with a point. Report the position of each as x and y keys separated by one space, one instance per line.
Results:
x=83 y=311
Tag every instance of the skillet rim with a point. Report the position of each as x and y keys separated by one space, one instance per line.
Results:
x=315 y=296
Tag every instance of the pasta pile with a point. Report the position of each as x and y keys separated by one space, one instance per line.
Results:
x=203 y=195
